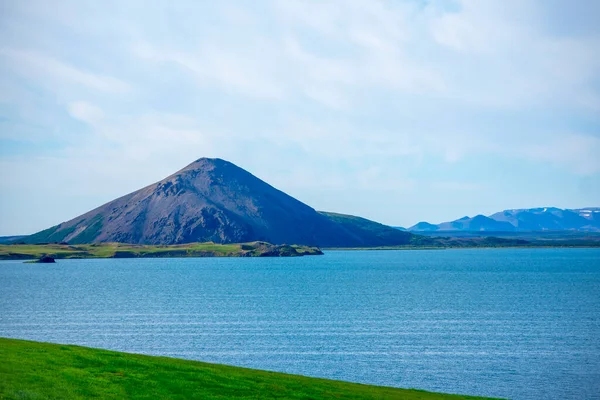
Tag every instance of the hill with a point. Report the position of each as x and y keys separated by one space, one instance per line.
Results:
x=477 y=223
x=522 y=220
x=212 y=200
x=377 y=233
x=424 y=227
x=32 y=370
x=10 y=239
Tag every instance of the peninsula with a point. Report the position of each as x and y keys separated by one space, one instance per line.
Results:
x=120 y=250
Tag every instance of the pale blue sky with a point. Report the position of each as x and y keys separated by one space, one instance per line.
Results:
x=398 y=111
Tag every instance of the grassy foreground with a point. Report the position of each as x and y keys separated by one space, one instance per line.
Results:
x=33 y=370
x=121 y=250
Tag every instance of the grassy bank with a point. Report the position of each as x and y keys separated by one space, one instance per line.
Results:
x=32 y=370
x=420 y=242
x=120 y=250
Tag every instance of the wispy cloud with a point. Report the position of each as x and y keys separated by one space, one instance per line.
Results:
x=45 y=70
x=391 y=99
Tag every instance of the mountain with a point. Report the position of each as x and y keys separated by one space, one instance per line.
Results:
x=523 y=220
x=551 y=218
x=215 y=200
x=477 y=223
x=424 y=227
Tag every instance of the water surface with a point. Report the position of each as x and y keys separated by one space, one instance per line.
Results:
x=517 y=323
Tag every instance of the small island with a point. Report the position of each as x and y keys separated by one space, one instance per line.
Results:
x=122 y=250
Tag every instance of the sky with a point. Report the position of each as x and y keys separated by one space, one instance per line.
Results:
x=397 y=111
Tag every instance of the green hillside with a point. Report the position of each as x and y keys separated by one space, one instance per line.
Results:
x=32 y=370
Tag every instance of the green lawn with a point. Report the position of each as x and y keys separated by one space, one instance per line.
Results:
x=32 y=370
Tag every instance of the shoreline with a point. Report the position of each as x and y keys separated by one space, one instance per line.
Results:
x=533 y=246
x=30 y=253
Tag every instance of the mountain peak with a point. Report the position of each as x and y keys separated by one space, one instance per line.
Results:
x=206 y=163
x=215 y=200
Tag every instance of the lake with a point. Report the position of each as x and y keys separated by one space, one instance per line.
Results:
x=516 y=323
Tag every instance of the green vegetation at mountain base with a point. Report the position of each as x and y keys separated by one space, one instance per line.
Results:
x=32 y=370
x=454 y=242
x=120 y=250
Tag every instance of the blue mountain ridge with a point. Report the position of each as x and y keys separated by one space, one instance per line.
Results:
x=522 y=220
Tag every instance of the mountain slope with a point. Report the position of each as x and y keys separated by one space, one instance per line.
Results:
x=523 y=220
x=214 y=200
x=359 y=228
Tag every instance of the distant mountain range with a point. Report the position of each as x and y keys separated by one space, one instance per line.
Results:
x=10 y=239
x=522 y=220
x=215 y=200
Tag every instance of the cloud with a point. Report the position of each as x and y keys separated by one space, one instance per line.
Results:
x=386 y=97
x=230 y=69
x=47 y=70
x=85 y=112
x=579 y=152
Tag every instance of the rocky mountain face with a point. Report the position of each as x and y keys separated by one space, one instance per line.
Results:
x=523 y=220
x=214 y=200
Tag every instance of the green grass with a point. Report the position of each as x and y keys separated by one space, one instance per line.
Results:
x=32 y=370
x=121 y=250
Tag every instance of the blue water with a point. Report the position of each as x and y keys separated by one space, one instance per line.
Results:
x=516 y=323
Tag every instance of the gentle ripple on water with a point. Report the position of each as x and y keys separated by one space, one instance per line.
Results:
x=518 y=323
